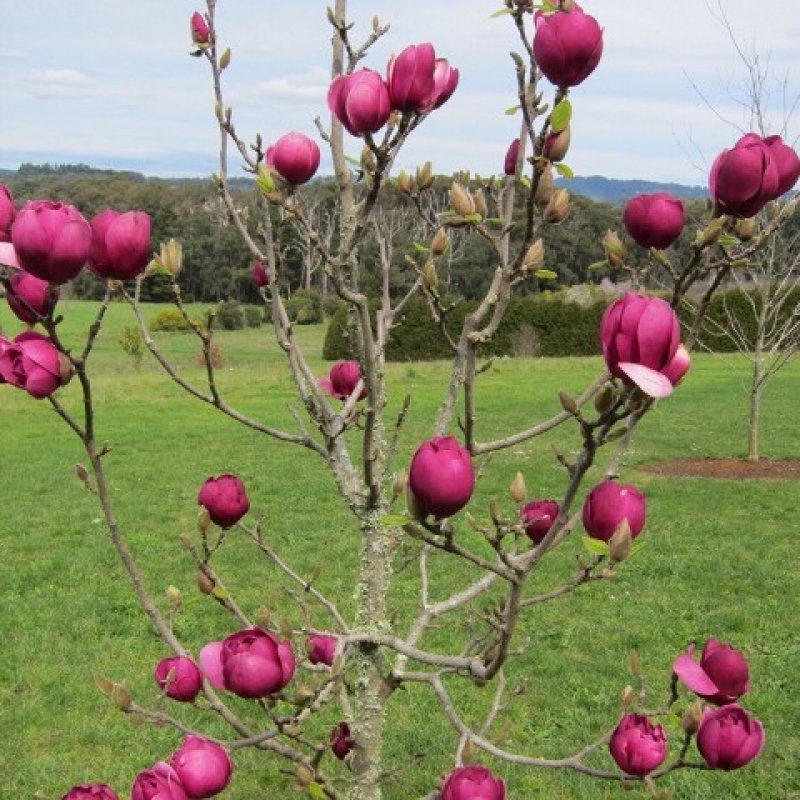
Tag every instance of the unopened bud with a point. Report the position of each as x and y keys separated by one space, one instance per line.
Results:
x=415 y=510
x=302 y=696
x=517 y=489
x=619 y=545
x=604 y=399
x=203 y=520
x=461 y=200
x=81 y=472
x=218 y=110
x=558 y=208
x=304 y=775
x=440 y=242
x=430 y=278
x=746 y=228
x=204 y=582
x=567 y=5
x=544 y=189
x=615 y=249
x=424 y=175
x=626 y=699
x=534 y=257
x=468 y=753
x=556 y=145
x=171 y=257
x=121 y=696
x=65 y=370
x=368 y=159
x=710 y=233
x=479 y=201
x=691 y=718
x=225 y=59
x=404 y=182
x=399 y=484
x=568 y=403
x=174 y=596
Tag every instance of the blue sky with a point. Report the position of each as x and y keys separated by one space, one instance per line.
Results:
x=111 y=84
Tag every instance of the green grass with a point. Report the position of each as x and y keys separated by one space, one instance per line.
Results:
x=721 y=559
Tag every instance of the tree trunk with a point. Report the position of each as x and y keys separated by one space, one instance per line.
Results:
x=755 y=409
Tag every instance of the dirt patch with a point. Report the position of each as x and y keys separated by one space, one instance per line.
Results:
x=726 y=469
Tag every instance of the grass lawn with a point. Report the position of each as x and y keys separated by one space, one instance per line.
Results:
x=721 y=559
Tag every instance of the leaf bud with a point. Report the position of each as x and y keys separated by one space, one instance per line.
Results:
x=424 y=175
x=746 y=228
x=710 y=233
x=691 y=718
x=556 y=145
x=544 y=188
x=225 y=59
x=568 y=403
x=534 y=257
x=479 y=201
x=518 y=489
x=615 y=249
x=399 y=484
x=628 y=696
x=619 y=545
x=204 y=582
x=461 y=201
x=430 y=278
x=174 y=596
x=604 y=399
x=404 y=182
x=558 y=208
x=171 y=257
x=440 y=242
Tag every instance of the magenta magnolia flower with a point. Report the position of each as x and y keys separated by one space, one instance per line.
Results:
x=409 y=77
x=199 y=29
x=637 y=745
x=721 y=677
x=512 y=154
x=203 y=767
x=608 y=504
x=120 y=244
x=677 y=368
x=786 y=162
x=31 y=362
x=729 y=738
x=441 y=476
x=654 y=220
x=341 y=741
x=567 y=46
x=179 y=677
x=472 y=783
x=51 y=240
x=225 y=499
x=210 y=658
x=445 y=81
x=743 y=180
x=30 y=298
x=260 y=277
x=538 y=517
x=640 y=336
x=295 y=157
x=342 y=380
x=255 y=663
x=321 y=649
x=7 y=213
x=159 y=783
x=8 y=255
x=91 y=791
x=360 y=101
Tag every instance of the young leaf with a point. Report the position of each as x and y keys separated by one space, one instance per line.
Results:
x=561 y=116
x=596 y=546
x=391 y=520
x=511 y=110
x=564 y=171
x=501 y=12
x=545 y=275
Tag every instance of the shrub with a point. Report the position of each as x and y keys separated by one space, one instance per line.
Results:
x=332 y=304
x=169 y=320
x=304 y=307
x=230 y=315
x=215 y=354
x=130 y=340
x=253 y=316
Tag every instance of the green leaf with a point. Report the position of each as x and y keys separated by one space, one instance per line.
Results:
x=525 y=181
x=501 y=12
x=597 y=265
x=561 y=116
x=595 y=546
x=511 y=110
x=220 y=593
x=354 y=161
x=391 y=520
x=728 y=240
x=473 y=218
x=315 y=791
x=420 y=248
x=564 y=171
x=545 y=275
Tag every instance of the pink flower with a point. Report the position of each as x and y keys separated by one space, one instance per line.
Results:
x=7 y=212
x=409 y=77
x=637 y=745
x=295 y=157
x=743 y=180
x=199 y=29
x=729 y=738
x=31 y=362
x=8 y=255
x=179 y=677
x=211 y=664
x=159 y=783
x=260 y=277
x=445 y=81
x=677 y=368
x=567 y=46
x=51 y=240
x=204 y=768
x=441 y=476
x=512 y=154
x=321 y=649
x=255 y=663
x=341 y=741
x=120 y=244
x=91 y=791
x=342 y=380
x=472 y=783
x=538 y=517
x=225 y=499
x=608 y=504
x=654 y=220
x=721 y=677
x=29 y=298
x=786 y=162
x=640 y=336
x=360 y=101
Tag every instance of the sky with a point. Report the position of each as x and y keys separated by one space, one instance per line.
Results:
x=111 y=84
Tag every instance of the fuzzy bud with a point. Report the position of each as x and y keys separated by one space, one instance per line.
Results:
x=544 y=189
x=461 y=201
x=604 y=399
x=424 y=175
x=615 y=249
x=692 y=717
x=399 y=483
x=534 y=257
x=430 y=278
x=619 y=545
x=558 y=208
x=204 y=582
x=556 y=145
x=440 y=242
x=710 y=233
x=405 y=182
x=746 y=228
x=171 y=257
x=479 y=201
x=518 y=489
x=174 y=596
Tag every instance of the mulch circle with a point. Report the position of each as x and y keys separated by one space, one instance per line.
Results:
x=726 y=469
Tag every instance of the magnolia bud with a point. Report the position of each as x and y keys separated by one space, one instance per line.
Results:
x=368 y=159
x=479 y=201
x=517 y=489
x=65 y=369
x=174 y=596
x=121 y=696
x=544 y=189
x=204 y=582
x=616 y=251
x=171 y=257
x=81 y=472
x=440 y=242
x=430 y=279
x=558 y=208
x=304 y=775
x=746 y=228
x=302 y=696
x=404 y=182
x=604 y=399
x=710 y=233
x=424 y=175
x=568 y=403
x=691 y=718
x=567 y=5
x=461 y=201
x=415 y=510
x=225 y=59
x=400 y=480
x=557 y=144
x=203 y=520
x=619 y=545
x=627 y=697
x=534 y=257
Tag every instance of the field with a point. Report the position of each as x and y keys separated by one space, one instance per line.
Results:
x=721 y=559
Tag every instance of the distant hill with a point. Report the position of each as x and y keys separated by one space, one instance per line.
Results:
x=595 y=187
x=611 y=190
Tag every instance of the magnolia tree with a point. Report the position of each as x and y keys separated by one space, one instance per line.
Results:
x=356 y=664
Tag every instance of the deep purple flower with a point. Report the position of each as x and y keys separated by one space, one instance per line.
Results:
x=225 y=499
x=729 y=738
x=608 y=504
x=255 y=663
x=441 y=476
x=637 y=745
x=721 y=677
